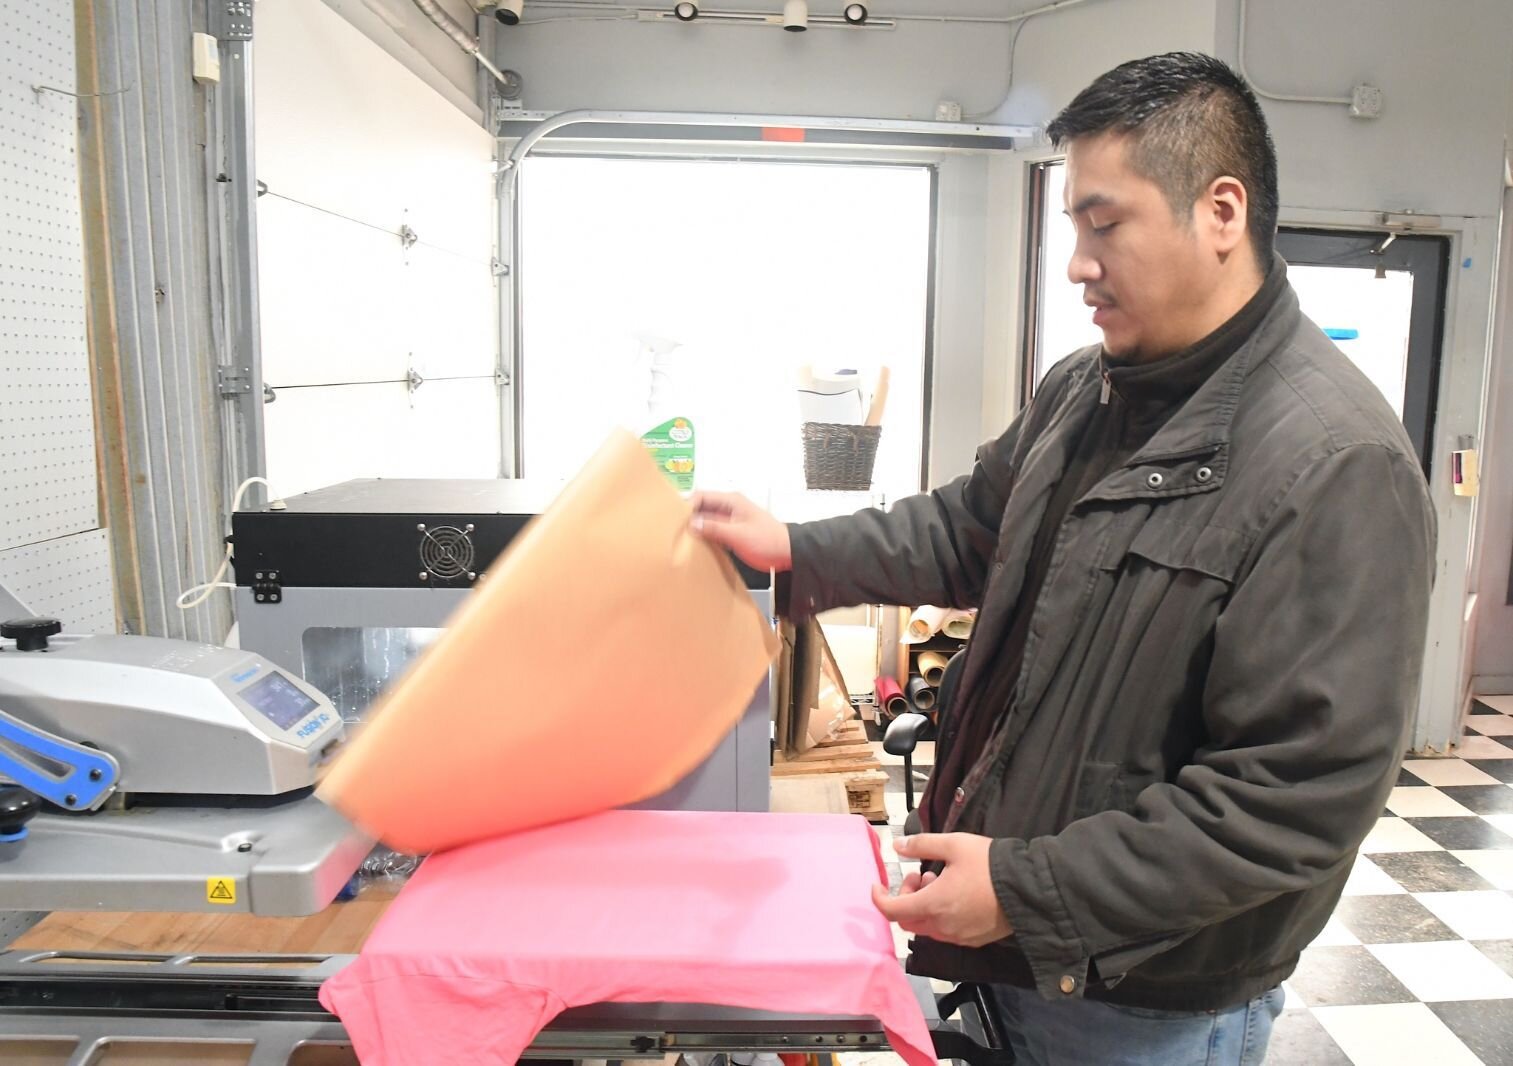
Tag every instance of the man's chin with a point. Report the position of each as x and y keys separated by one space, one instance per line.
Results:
x=1120 y=348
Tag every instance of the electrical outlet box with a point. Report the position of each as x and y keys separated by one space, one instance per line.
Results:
x=948 y=111
x=1366 y=102
x=207 y=59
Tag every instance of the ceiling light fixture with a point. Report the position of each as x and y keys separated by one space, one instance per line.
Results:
x=856 y=14
x=796 y=15
x=686 y=11
x=509 y=12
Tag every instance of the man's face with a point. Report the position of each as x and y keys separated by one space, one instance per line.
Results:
x=1148 y=274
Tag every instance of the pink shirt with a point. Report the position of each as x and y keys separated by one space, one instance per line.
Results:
x=489 y=942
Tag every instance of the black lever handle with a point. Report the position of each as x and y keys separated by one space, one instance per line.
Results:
x=30 y=634
x=17 y=806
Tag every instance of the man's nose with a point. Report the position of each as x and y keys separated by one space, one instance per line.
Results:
x=1083 y=269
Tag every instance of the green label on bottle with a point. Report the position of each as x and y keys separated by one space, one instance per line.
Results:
x=671 y=445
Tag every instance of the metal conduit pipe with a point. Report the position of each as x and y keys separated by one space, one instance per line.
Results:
x=701 y=118
x=464 y=40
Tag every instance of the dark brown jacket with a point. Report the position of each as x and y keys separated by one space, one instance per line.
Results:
x=1218 y=681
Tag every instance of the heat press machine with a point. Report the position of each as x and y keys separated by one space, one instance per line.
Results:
x=173 y=775
x=147 y=774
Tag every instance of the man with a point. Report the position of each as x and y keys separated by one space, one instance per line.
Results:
x=1202 y=557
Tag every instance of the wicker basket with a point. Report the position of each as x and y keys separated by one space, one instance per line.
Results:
x=839 y=456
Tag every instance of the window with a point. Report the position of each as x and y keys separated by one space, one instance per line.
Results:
x=654 y=288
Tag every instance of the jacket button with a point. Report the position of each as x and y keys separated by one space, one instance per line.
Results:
x=961 y=795
x=1155 y=480
x=1204 y=474
x=1068 y=984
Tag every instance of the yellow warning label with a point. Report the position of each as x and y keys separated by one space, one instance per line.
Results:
x=220 y=890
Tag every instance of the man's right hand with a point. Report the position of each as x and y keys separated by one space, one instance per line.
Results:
x=734 y=522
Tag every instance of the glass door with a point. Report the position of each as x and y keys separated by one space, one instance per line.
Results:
x=1381 y=298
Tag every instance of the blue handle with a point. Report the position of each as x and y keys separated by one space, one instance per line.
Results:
x=90 y=777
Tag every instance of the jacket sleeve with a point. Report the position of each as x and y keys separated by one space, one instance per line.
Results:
x=932 y=548
x=1307 y=708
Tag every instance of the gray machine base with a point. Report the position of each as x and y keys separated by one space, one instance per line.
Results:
x=287 y=860
x=72 y=1007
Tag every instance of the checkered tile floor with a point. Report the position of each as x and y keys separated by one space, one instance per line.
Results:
x=1416 y=967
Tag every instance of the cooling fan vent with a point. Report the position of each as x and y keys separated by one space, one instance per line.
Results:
x=446 y=552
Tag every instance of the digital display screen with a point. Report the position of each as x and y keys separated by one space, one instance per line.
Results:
x=277 y=699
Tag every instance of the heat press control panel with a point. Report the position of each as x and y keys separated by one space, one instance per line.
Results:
x=177 y=717
x=275 y=699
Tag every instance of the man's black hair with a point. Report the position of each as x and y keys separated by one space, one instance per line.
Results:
x=1190 y=119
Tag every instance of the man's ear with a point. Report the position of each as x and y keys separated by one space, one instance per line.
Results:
x=1223 y=214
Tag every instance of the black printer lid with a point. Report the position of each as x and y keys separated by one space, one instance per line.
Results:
x=425 y=496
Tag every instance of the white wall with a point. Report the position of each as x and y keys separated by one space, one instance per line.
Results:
x=960 y=327
x=1003 y=286
x=1492 y=653
x=708 y=67
x=1061 y=52
x=353 y=146
x=1445 y=69
x=412 y=40
x=899 y=73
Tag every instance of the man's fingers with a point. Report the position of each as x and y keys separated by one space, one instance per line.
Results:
x=915 y=881
x=937 y=847
x=715 y=527
x=914 y=907
x=725 y=503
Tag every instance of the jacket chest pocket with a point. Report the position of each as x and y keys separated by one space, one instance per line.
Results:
x=1106 y=786
x=1177 y=548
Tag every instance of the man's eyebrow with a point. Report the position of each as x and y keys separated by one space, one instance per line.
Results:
x=1092 y=200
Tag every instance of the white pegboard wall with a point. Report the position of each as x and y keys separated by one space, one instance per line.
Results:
x=48 y=482
x=68 y=579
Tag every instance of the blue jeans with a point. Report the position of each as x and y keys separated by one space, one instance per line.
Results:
x=1085 y=1032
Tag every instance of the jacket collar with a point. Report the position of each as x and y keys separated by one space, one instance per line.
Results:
x=1202 y=425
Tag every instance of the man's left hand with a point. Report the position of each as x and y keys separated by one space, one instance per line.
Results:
x=959 y=906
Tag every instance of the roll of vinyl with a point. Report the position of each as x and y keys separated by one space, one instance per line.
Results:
x=958 y=624
x=890 y=698
x=921 y=695
x=932 y=667
x=924 y=623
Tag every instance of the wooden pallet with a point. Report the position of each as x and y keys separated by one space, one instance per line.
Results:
x=848 y=756
x=849 y=741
